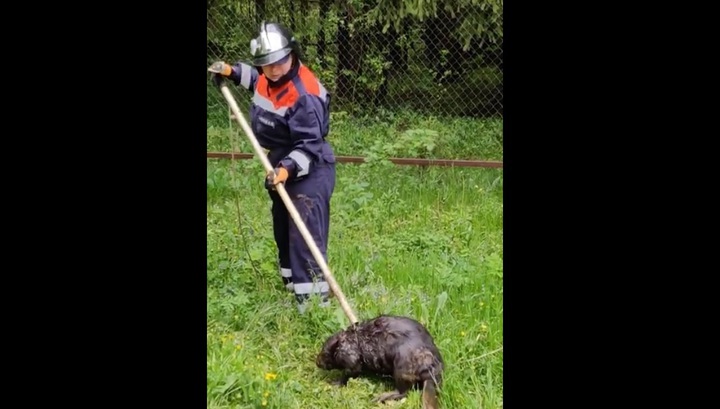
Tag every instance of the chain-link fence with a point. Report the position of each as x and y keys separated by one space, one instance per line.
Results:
x=435 y=59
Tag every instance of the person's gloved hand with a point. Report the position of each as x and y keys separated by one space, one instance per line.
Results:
x=280 y=176
x=220 y=70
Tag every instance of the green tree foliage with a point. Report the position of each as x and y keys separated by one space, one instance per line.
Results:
x=437 y=57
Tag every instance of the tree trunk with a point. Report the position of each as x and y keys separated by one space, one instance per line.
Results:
x=291 y=6
x=397 y=53
x=438 y=36
x=324 y=6
x=259 y=11
x=348 y=65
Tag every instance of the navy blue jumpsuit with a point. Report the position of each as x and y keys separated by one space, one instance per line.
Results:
x=291 y=119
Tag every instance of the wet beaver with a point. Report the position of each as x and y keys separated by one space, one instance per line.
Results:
x=387 y=345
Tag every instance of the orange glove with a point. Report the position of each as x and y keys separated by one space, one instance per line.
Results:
x=280 y=176
x=220 y=70
x=220 y=67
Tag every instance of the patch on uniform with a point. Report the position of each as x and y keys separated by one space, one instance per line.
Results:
x=267 y=122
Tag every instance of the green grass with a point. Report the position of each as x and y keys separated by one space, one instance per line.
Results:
x=424 y=243
x=404 y=134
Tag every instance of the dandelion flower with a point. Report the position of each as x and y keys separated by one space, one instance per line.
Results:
x=270 y=376
x=266 y=394
x=462 y=333
x=264 y=402
x=238 y=346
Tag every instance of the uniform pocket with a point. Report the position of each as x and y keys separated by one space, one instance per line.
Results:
x=328 y=156
x=253 y=118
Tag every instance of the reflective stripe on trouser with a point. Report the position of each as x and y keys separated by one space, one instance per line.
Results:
x=286 y=275
x=303 y=291
x=311 y=198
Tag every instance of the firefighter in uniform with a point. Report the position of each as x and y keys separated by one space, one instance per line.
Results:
x=290 y=117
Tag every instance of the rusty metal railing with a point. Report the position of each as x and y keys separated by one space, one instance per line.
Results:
x=397 y=161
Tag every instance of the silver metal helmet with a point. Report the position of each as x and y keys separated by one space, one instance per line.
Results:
x=273 y=43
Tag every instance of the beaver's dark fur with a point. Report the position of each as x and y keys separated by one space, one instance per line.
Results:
x=387 y=345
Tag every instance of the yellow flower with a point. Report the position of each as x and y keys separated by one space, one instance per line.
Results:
x=238 y=346
x=266 y=394
x=270 y=376
x=483 y=327
x=462 y=333
x=264 y=402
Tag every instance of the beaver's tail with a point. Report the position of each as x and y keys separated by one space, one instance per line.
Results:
x=429 y=395
x=431 y=375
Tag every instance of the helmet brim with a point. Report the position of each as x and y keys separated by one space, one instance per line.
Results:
x=271 y=58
